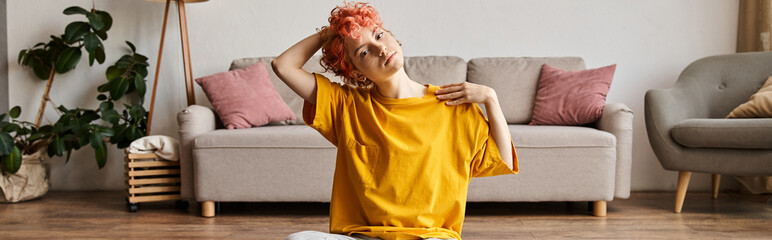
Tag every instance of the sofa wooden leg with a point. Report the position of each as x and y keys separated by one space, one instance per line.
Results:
x=207 y=209
x=599 y=208
x=683 y=184
x=716 y=181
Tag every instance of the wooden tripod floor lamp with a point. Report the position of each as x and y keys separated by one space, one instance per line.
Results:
x=185 y=55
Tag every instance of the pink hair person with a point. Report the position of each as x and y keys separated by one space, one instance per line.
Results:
x=344 y=21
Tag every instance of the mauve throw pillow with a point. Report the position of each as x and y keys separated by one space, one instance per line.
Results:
x=571 y=98
x=245 y=97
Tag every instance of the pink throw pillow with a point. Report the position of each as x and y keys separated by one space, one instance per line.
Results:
x=245 y=97
x=571 y=98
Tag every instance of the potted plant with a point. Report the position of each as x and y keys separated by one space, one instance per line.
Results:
x=22 y=143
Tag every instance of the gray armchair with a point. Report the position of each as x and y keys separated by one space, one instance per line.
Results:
x=686 y=125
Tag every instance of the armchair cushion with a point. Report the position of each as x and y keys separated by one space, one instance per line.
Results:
x=724 y=133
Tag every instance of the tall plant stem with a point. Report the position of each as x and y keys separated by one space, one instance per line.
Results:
x=45 y=99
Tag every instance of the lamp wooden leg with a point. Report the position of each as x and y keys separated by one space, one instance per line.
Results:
x=207 y=209
x=599 y=208
x=157 y=69
x=683 y=184
x=716 y=181
x=186 y=54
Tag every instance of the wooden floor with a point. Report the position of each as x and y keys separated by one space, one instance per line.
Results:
x=644 y=215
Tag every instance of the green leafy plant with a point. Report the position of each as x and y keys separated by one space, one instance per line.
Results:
x=62 y=53
x=79 y=127
x=126 y=77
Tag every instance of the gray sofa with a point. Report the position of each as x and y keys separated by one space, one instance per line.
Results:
x=686 y=125
x=293 y=162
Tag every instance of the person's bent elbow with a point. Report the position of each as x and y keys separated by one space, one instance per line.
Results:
x=276 y=65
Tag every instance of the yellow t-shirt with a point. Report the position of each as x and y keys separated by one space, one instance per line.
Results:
x=403 y=165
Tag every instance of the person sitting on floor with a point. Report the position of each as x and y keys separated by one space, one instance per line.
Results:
x=406 y=151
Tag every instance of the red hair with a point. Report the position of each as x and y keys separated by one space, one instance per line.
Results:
x=344 y=21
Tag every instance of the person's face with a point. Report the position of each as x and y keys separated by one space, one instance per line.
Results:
x=376 y=53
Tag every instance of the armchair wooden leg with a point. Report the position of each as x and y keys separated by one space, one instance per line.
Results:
x=207 y=209
x=683 y=184
x=599 y=208
x=716 y=180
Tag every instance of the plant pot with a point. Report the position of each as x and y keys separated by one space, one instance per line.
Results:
x=30 y=182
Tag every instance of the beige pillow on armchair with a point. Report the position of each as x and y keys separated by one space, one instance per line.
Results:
x=759 y=106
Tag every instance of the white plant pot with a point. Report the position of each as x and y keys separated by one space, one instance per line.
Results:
x=30 y=182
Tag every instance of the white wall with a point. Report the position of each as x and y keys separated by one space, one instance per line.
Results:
x=651 y=41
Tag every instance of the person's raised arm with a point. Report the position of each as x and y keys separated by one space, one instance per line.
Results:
x=288 y=66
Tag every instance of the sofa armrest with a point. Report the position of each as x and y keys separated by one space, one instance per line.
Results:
x=194 y=120
x=617 y=119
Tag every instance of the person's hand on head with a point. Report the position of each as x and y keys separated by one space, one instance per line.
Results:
x=460 y=93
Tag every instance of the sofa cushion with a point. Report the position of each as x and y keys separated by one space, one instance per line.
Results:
x=291 y=136
x=245 y=97
x=294 y=101
x=525 y=136
x=752 y=133
x=515 y=80
x=571 y=97
x=434 y=70
x=437 y=71
x=301 y=136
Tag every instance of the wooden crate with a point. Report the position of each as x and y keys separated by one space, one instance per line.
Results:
x=150 y=179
